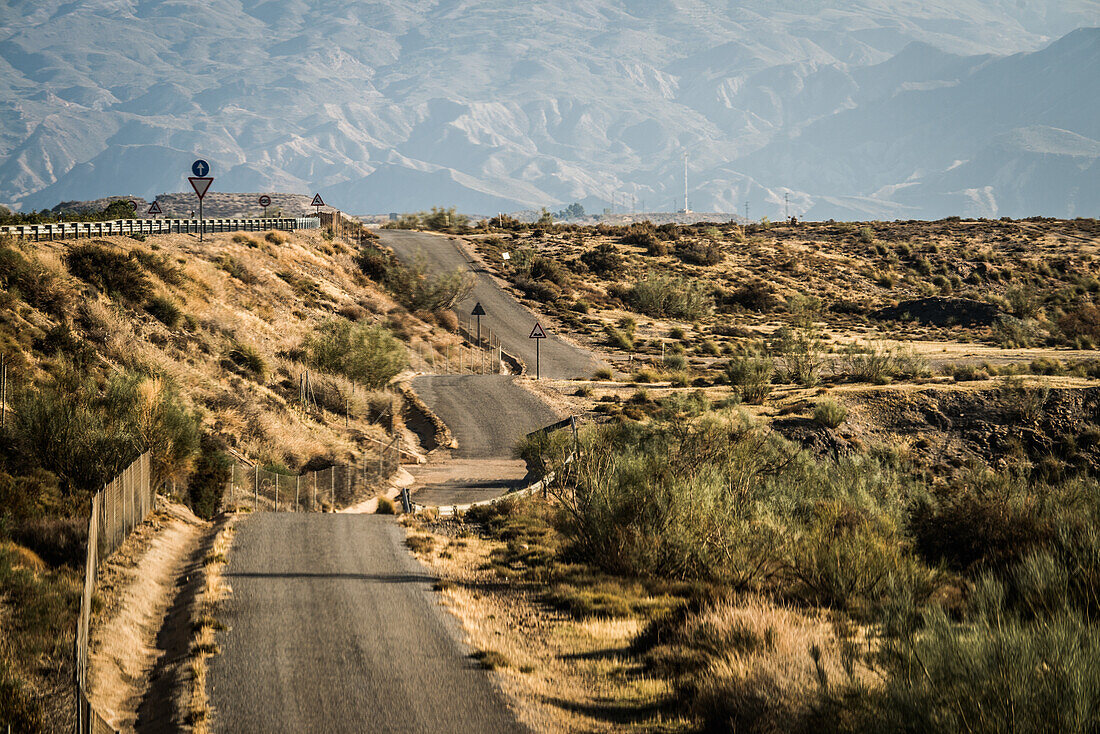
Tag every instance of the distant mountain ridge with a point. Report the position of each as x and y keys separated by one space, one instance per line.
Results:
x=849 y=109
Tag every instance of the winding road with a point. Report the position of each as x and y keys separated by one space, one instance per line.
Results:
x=331 y=625
x=487 y=414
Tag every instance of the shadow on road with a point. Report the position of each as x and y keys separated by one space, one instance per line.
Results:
x=379 y=577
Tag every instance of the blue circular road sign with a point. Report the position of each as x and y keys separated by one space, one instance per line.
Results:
x=200 y=168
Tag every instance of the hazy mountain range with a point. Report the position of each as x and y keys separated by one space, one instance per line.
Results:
x=868 y=108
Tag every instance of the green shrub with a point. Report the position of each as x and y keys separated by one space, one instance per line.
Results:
x=798 y=351
x=110 y=271
x=751 y=375
x=665 y=296
x=415 y=287
x=619 y=339
x=830 y=413
x=756 y=295
x=386 y=506
x=164 y=310
x=1082 y=324
x=996 y=673
x=1008 y=331
x=212 y=473
x=368 y=354
x=866 y=235
x=85 y=435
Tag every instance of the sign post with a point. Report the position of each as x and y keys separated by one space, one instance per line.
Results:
x=317 y=202
x=154 y=209
x=479 y=312
x=200 y=182
x=265 y=202
x=538 y=334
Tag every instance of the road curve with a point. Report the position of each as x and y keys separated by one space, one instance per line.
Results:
x=331 y=626
x=488 y=415
x=510 y=321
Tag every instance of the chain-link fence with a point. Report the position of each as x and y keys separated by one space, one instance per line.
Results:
x=117 y=509
x=325 y=490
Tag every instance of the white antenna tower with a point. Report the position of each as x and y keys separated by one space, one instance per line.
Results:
x=687 y=209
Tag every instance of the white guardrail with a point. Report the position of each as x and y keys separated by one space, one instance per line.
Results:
x=67 y=230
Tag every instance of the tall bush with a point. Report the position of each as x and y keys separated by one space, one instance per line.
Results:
x=368 y=354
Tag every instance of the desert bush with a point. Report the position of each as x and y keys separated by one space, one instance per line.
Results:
x=248 y=358
x=164 y=310
x=998 y=672
x=275 y=237
x=1081 y=325
x=539 y=290
x=829 y=413
x=878 y=363
x=798 y=350
x=603 y=259
x=619 y=338
x=756 y=295
x=385 y=506
x=417 y=289
x=751 y=375
x=110 y=271
x=749 y=665
x=969 y=373
x=236 y=269
x=704 y=253
x=212 y=472
x=866 y=235
x=59 y=541
x=85 y=435
x=30 y=281
x=1008 y=331
x=667 y=296
x=364 y=353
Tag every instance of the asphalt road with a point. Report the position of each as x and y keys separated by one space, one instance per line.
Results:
x=332 y=627
x=487 y=414
x=510 y=321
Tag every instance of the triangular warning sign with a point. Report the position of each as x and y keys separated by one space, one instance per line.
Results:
x=537 y=332
x=154 y=208
x=478 y=310
x=317 y=200
x=201 y=184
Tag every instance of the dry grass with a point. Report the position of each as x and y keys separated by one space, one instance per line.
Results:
x=757 y=667
x=563 y=674
x=196 y=704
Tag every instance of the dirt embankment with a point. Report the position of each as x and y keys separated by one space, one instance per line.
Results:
x=1048 y=426
x=138 y=585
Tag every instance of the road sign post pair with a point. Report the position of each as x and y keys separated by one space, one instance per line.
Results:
x=200 y=182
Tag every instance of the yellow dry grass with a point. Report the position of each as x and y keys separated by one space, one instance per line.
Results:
x=196 y=703
x=561 y=674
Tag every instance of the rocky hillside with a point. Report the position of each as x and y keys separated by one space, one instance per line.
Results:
x=490 y=106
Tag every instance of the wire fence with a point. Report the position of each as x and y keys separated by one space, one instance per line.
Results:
x=482 y=356
x=116 y=510
x=251 y=487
